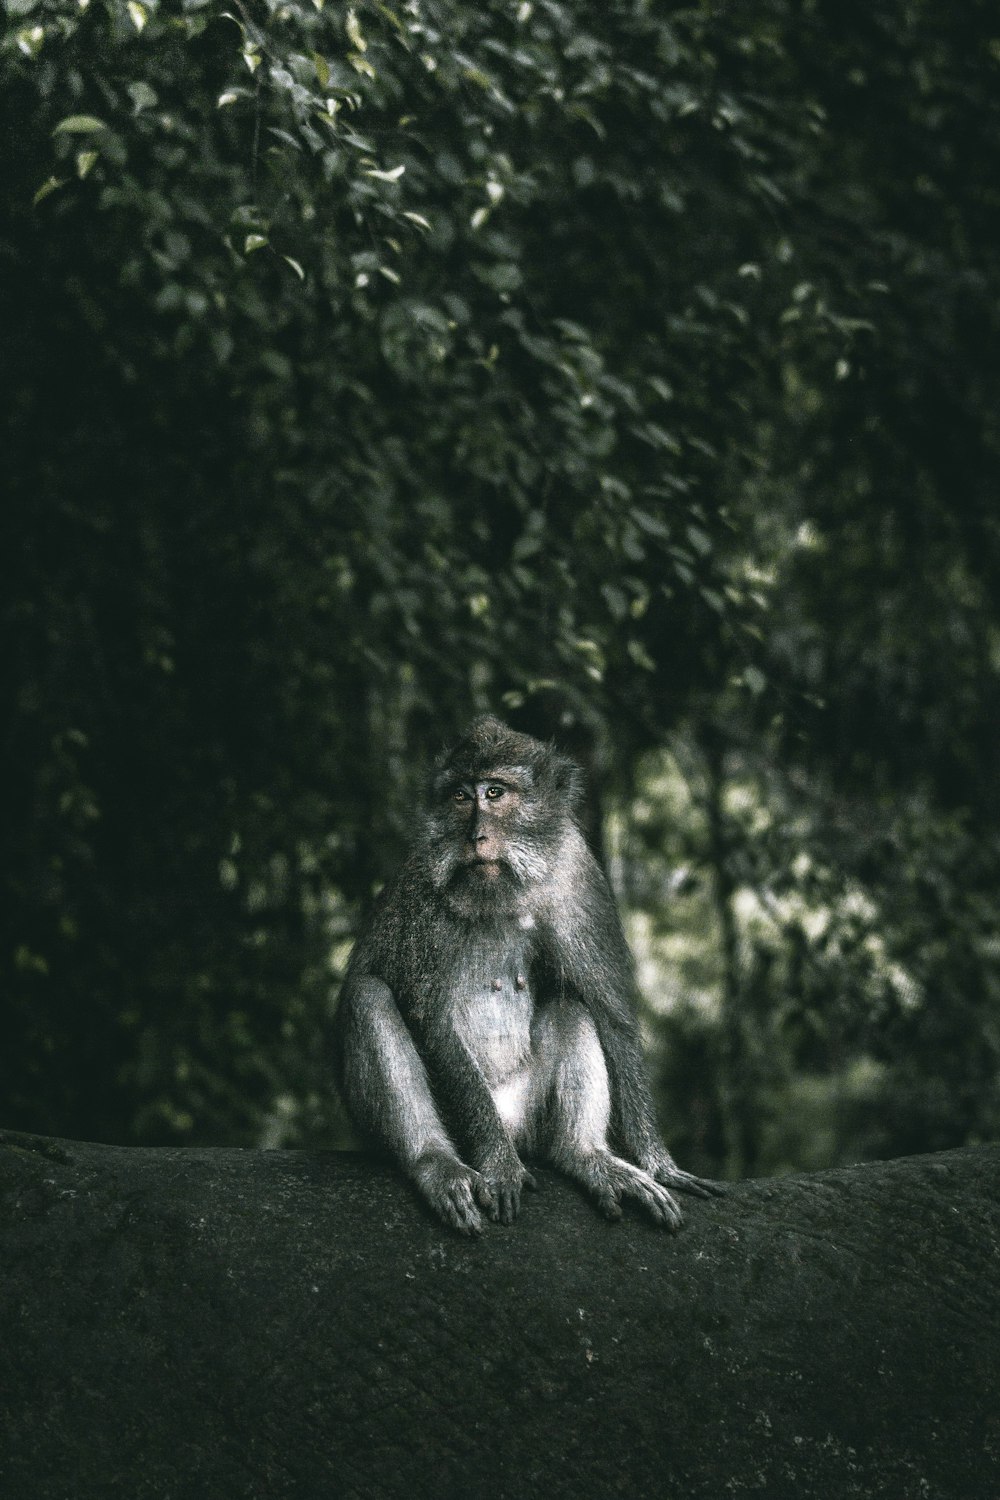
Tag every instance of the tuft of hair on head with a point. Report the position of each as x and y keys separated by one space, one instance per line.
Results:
x=489 y=746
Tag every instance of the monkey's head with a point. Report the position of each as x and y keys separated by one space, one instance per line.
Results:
x=501 y=805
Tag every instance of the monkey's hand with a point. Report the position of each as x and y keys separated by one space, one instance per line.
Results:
x=505 y=1175
x=662 y=1168
x=453 y=1190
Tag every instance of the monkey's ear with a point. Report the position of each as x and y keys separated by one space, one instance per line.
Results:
x=567 y=780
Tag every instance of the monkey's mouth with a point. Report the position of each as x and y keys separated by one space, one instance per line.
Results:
x=484 y=869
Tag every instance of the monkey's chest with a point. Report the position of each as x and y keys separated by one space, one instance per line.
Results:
x=494 y=1019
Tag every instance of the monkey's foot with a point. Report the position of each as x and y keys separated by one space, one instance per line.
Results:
x=610 y=1179
x=670 y=1175
x=453 y=1190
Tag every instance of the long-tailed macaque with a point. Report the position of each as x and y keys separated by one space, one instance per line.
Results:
x=488 y=1012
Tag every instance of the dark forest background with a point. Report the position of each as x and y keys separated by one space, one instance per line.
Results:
x=628 y=369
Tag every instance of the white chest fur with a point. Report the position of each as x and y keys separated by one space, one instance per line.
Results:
x=495 y=1025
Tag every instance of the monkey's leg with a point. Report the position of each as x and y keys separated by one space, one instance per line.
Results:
x=579 y=1111
x=633 y=1121
x=388 y=1096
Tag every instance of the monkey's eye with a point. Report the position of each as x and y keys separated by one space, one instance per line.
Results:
x=493 y=792
x=459 y=796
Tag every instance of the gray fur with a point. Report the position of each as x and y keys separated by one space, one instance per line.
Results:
x=488 y=1009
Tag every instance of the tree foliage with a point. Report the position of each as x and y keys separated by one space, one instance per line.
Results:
x=626 y=368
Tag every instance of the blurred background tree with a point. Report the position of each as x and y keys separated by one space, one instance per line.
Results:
x=629 y=370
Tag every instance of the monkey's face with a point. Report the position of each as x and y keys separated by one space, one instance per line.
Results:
x=484 y=815
x=501 y=809
x=485 y=849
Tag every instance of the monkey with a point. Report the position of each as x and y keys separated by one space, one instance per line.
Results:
x=488 y=1009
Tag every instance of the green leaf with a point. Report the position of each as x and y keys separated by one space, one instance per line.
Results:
x=79 y=125
x=30 y=40
x=48 y=186
x=501 y=276
x=392 y=175
x=616 y=600
x=641 y=656
x=142 y=96
x=354 y=32
x=27 y=962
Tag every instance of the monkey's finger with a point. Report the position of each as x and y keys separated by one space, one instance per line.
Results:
x=498 y=1206
x=698 y=1187
x=510 y=1204
x=667 y=1214
x=529 y=1182
x=713 y=1189
x=460 y=1210
x=464 y=1217
x=657 y=1202
x=668 y=1218
x=609 y=1204
x=482 y=1192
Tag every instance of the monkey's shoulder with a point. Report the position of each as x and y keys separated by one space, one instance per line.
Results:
x=406 y=933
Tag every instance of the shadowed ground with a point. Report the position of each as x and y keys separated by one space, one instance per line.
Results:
x=226 y=1323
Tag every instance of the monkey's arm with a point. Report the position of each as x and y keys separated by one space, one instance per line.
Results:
x=398 y=1010
x=468 y=1106
x=384 y=1085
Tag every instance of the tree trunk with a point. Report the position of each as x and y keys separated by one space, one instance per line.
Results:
x=256 y=1325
